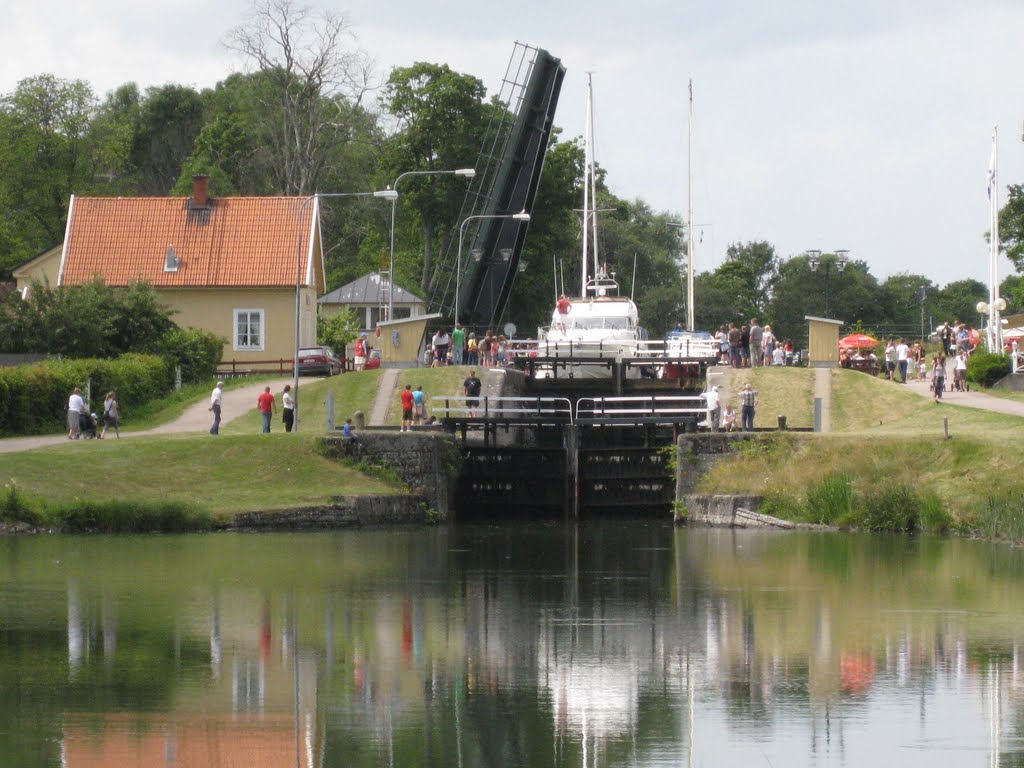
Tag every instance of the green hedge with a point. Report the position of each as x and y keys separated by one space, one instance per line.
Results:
x=986 y=369
x=34 y=398
x=197 y=352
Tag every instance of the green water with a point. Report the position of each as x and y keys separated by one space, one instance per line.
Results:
x=604 y=645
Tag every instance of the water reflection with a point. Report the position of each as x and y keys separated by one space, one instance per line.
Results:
x=604 y=645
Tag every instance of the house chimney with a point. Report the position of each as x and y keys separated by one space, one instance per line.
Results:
x=200 y=190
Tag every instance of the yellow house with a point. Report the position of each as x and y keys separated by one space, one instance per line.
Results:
x=41 y=269
x=233 y=266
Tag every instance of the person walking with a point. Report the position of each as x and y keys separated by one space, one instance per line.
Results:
x=756 y=337
x=267 y=406
x=748 y=399
x=939 y=375
x=408 y=404
x=361 y=353
x=111 y=414
x=216 y=399
x=903 y=358
x=458 y=344
x=76 y=404
x=288 y=408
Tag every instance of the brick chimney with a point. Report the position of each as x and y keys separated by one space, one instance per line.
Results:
x=200 y=191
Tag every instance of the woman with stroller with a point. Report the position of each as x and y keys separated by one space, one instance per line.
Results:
x=76 y=406
x=111 y=414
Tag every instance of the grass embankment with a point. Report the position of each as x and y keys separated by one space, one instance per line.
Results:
x=887 y=464
x=189 y=481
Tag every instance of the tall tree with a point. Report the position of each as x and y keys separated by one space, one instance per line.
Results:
x=1011 y=226
x=52 y=143
x=441 y=119
x=315 y=86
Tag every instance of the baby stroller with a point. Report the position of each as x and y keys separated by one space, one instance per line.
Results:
x=87 y=423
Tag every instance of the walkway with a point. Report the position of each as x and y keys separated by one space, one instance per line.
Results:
x=195 y=418
x=978 y=400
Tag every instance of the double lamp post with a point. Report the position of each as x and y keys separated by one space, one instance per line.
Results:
x=816 y=259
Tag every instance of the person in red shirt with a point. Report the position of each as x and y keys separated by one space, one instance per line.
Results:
x=267 y=406
x=407 y=406
x=564 y=305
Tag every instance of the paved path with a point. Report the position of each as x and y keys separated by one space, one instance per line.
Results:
x=385 y=395
x=196 y=417
x=979 y=400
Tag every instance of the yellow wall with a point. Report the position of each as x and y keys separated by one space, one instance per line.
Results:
x=410 y=332
x=43 y=268
x=212 y=309
x=823 y=344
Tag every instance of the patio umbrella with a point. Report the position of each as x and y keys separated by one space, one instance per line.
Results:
x=857 y=341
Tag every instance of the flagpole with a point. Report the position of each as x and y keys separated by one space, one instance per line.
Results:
x=995 y=330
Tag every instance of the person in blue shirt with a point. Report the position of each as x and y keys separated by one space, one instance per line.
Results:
x=419 y=405
x=348 y=434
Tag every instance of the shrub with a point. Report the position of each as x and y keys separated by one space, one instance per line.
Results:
x=831 y=501
x=894 y=508
x=33 y=398
x=130 y=517
x=198 y=352
x=986 y=369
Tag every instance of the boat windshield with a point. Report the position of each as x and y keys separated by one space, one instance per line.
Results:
x=594 y=323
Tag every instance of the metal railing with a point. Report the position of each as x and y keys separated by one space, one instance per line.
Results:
x=532 y=409
x=661 y=409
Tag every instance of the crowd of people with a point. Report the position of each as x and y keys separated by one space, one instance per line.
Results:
x=460 y=348
x=752 y=346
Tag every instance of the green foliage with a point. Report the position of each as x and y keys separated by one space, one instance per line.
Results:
x=999 y=517
x=337 y=330
x=33 y=398
x=986 y=369
x=15 y=507
x=198 y=352
x=120 y=516
x=830 y=502
x=1011 y=226
x=892 y=507
x=88 y=320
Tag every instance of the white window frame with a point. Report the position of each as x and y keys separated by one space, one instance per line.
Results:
x=238 y=347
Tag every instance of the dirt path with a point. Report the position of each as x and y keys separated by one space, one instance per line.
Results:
x=969 y=399
x=196 y=417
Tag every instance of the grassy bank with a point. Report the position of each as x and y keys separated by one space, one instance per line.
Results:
x=887 y=464
x=215 y=476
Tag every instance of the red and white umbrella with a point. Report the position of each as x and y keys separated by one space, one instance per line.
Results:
x=857 y=341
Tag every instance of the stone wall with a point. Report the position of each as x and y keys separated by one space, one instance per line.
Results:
x=342 y=512
x=425 y=460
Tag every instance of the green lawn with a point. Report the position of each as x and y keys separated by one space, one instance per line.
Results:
x=224 y=475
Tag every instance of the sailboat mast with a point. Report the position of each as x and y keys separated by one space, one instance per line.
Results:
x=689 y=217
x=593 y=182
x=995 y=331
x=586 y=192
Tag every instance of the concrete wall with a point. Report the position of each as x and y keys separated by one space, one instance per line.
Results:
x=343 y=512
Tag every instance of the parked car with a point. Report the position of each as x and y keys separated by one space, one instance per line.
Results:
x=317 y=361
x=373 y=361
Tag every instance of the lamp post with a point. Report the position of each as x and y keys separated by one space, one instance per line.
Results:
x=816 y=258
x=468 y=173
x=313 y=200
x=521 y=216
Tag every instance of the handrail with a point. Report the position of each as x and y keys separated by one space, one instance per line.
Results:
x=646 y=406
x=558 y=408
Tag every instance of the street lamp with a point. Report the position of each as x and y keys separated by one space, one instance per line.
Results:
x=314 y=199
x=468 y=173
x=994 y=331
x=521 y=216
x=815 y=259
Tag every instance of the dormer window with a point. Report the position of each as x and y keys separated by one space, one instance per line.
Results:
x=171 y=261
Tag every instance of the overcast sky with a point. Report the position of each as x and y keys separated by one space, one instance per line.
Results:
x=862 y=125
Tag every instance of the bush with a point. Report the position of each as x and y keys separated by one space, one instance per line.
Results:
x=831 y=501
x=198 y=352
x=34 y=398
x=895 y=508
x=130 y=517
x=986 y=369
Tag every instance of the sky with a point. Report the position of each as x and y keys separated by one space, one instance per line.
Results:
x=817 y=125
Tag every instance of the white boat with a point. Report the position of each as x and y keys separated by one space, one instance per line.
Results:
x=599 y=323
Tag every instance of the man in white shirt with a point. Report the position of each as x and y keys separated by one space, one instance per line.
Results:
x=714 y=408
x=903 y=358
x=76 y=404
x=216 y=398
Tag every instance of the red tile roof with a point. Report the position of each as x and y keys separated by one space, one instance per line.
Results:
x=235 y=242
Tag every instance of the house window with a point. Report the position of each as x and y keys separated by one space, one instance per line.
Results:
x=249 y=330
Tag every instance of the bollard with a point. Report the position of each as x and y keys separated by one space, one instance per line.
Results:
x=330 y=410
x=359 y=419
x=817 y=414
x=782 y=422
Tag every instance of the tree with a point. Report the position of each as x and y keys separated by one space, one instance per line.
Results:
x=761 y=268
x=957 y=301
x=1011 y=226
x=441 y=118
x=165 y=125
x=314 y=87
x=52 y=143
